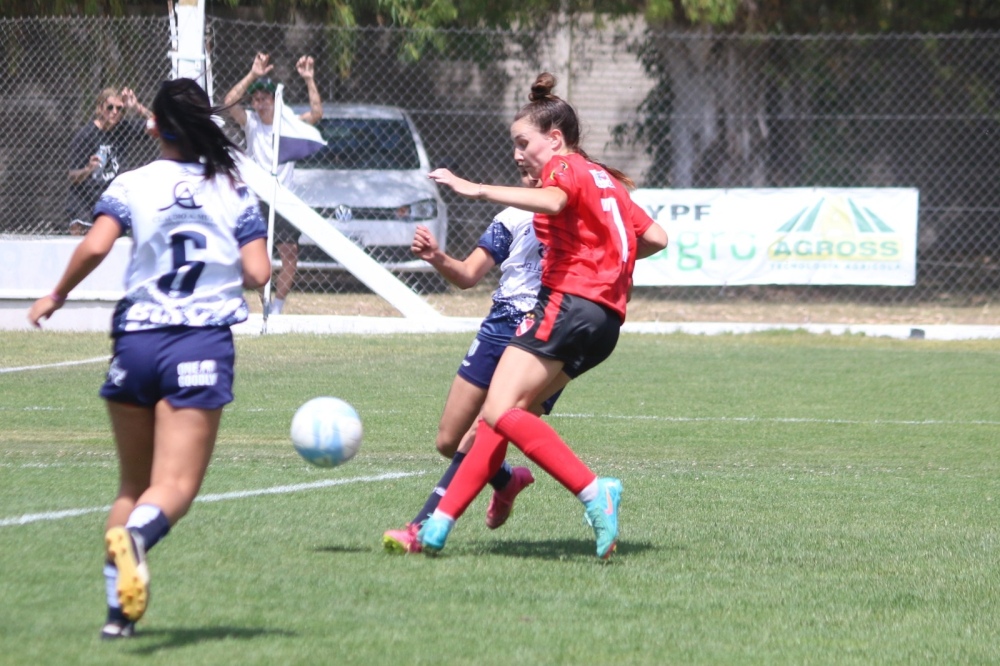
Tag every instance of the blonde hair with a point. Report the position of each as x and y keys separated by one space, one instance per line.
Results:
x=102 y=98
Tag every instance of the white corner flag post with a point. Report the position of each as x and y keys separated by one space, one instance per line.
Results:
x=187 y=41
x=275 y=141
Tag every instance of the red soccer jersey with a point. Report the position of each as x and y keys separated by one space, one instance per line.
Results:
x=590 y=246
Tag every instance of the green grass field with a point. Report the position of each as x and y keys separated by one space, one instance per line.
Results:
x=789 y=499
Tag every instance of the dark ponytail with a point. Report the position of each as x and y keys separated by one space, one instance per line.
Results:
x=546 y=111
x=184 y=117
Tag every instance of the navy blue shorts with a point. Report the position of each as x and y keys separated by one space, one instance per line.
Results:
x=569 y=328
x=480 y=363
x=187 y=366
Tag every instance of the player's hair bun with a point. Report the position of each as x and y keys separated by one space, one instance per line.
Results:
x=542 y=87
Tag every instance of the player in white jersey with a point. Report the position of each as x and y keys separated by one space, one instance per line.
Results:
x=186 y=269
x=510 y=243
x=199 y=239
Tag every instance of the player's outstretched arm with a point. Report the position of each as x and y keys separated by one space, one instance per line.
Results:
x=463 y=274
x=88 y=255
x=549 y=200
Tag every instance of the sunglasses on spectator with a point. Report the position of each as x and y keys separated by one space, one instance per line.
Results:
x=114 y=107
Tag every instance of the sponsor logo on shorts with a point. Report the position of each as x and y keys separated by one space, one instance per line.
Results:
x=525 y=325
x=116 y=373
x=197 y=373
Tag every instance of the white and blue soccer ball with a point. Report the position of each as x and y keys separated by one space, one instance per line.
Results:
x=326 y=431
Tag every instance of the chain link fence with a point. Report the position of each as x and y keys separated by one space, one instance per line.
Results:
x=671 y=109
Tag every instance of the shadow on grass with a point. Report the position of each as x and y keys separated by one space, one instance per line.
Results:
x=151 y=641
x=341 y=549
x=555 y=549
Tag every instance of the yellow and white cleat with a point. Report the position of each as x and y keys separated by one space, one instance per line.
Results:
x=133 y=574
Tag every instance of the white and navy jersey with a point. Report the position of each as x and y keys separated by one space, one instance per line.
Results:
x=187 y=232
x=260 y=147
x=510 y=240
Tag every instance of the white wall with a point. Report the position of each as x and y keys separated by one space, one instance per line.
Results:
x=607 y=84
x=30 y=268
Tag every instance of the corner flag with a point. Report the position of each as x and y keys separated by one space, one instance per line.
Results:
x=297 y=139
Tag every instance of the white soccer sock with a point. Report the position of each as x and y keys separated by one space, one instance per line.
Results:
x=438 y=513
x=142 y=515
x=589 y=493
x=277 y=305
x=148 y=524
x=111 y=585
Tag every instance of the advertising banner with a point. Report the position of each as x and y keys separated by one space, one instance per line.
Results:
x=801 y=236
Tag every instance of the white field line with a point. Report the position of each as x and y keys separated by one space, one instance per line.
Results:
x=73 y=465
x=774 y=419
x=637 y=417
x=62 y=364
x=29 y=518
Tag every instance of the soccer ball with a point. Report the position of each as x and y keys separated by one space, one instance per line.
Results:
x=326 y=431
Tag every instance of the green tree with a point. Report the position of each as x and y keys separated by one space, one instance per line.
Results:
x=788 y=16
x=812 y=16
x=705 y=120
x=690 y=116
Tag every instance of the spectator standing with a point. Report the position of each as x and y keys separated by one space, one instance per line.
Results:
x=257 y=123
x=100 y=150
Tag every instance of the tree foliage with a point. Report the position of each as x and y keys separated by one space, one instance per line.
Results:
x=813 y=16
x=781 y=16
x=698 y=135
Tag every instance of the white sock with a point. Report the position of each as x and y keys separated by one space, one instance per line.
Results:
x=147 y=524
x=589 y=493
x=438 y=513
x=111 y=585
x=142 y=515
x=277 y=304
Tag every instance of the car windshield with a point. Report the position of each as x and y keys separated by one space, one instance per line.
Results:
x=364 y=143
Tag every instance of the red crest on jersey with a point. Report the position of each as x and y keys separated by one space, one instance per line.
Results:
x=563 y=166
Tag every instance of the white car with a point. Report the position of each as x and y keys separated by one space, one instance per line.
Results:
x=371 y=183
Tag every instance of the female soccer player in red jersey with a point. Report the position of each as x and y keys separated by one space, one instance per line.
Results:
x=593 y=234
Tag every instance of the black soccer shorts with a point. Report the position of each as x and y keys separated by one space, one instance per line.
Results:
x=568 y=328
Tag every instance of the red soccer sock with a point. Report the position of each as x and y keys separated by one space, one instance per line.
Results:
x=479 y=466
x=545 y=447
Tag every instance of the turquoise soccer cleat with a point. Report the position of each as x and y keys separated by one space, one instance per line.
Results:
x=602 y=514
x=433 y=534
